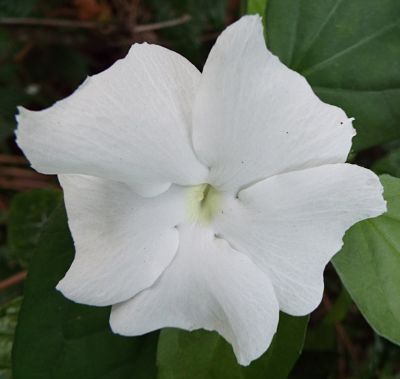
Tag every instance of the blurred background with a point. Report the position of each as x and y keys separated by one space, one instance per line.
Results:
x=47 y=48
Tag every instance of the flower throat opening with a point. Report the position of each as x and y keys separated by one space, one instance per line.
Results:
x=202 y=203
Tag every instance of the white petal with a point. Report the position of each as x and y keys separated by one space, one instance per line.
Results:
x=130 y=123
x=291 y=225
x=123 y=241
x=254 y=117
x=211 y=286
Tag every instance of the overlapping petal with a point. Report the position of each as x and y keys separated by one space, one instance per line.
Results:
x=208 y=285
x=123 y=241
x=130 y=123
x=254 y=118
x=292 y=224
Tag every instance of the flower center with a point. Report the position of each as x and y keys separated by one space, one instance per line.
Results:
x=202 y=203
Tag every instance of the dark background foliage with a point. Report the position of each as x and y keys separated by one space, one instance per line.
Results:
x=48 y=47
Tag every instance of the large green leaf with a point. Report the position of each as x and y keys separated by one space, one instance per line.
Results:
x=349 y=51
x=58 y=339
x=390 y=164
x=205 y=355
x=257 y=7
x=29 y=212
x=369 y=265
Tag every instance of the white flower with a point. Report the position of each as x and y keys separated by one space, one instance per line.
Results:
x=201 y=200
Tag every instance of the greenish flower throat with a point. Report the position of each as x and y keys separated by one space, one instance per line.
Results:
x=202 y=203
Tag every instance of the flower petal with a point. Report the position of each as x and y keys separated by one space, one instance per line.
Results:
x=208 y=285
x=254 y=117
x=130 y=123
x=123 y=241
x=292 y=224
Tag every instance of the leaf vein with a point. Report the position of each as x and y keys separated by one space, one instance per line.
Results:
x=349 y=49
x=317 y=35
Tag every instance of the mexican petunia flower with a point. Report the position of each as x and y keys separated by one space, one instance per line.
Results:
x=201 y=200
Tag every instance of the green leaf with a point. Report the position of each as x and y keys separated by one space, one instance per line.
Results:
x=369 y=265
x=349 y=51
x=204 y=355
x=29 y=212
x=58 y=339
x=257 y=7
x=390 y=164
x=8 y=321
